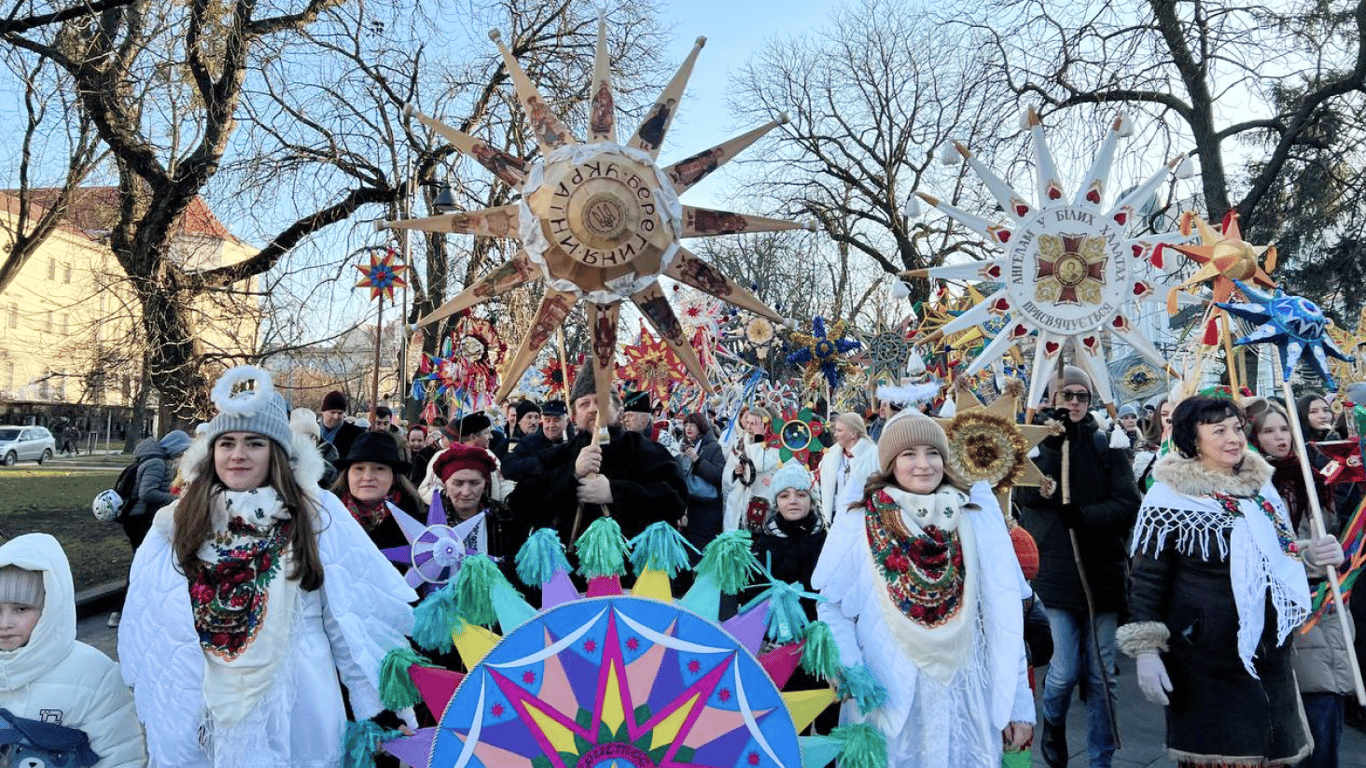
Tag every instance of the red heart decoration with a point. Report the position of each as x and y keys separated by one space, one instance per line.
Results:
x=1138 y=251
x=1121 y=217
x=1003 y=235
x=993 y=271
x=1019 y=331
x=1089 y=342
x=1050 y=348
x=1021 y=210
x=1094 y=196
x=1054 y=193
x=1001 y=305
x=1141 y=288
x=1119 y=322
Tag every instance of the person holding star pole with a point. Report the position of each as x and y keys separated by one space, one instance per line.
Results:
x=1295 y=324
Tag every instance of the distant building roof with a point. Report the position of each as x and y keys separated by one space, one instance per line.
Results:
x=94 y=211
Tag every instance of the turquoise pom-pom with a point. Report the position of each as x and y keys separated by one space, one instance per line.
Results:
x=660 y=547
x=435 y=619
x=602 y=549
x=474 y=587
x=861 y=746
x=820 y=653
x=858 y=683
x=396 y=688
x=540 y=557
x=728 y=561
x=361 y=741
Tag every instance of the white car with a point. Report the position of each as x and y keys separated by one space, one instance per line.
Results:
x=26 y=444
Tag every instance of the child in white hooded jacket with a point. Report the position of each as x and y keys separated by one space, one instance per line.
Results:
x=46 y=674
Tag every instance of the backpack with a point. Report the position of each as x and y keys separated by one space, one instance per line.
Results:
x=127 y=489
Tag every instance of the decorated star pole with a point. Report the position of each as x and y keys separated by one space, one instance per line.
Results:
x=382 y=274
x=1296 y=325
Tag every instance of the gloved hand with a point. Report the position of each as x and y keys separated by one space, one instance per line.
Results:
x=1152 y=678
x=1324 y=551
x=1070 y=515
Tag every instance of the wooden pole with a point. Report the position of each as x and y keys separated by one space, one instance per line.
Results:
x=374 y=379
x=1319 y=530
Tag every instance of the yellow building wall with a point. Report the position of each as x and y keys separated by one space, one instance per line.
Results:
x=70 y=314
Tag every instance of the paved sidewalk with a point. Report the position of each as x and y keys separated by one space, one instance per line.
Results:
x=1140 y=723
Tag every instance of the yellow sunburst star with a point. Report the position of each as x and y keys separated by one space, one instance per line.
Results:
x=599 y=221
x=986 y=443
x=1068 y=267
x=1223 y=257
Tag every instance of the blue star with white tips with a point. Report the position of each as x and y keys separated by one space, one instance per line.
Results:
x=1293 y=324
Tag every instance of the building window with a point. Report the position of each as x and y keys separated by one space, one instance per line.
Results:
x=9 y=378
x=127 y=387
x=61 y=386
x=66 y=272
x=47 y=326
x=66 y=324
x=52 y=269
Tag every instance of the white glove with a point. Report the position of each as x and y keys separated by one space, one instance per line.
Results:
x=1324 y=551
x=1152 y=678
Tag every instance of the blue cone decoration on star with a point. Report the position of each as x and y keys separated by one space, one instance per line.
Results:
x=1293 y=323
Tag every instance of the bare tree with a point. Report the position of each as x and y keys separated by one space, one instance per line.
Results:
x=873 y=98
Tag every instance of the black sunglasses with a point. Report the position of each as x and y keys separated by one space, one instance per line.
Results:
x=1080 y=397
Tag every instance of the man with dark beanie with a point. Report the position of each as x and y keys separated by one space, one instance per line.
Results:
x=526 y=418
x=1091 y=493
x=335 y=428
x=627 y=473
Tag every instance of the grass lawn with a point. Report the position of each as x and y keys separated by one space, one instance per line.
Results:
x=53 y=500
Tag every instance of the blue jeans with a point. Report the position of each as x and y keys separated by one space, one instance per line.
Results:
x=1324 y=712
x=1071 y=646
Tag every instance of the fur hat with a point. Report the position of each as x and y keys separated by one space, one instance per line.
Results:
x=474 y=423
x=376 y=448
x=1072 y=376
x=21 y=586
x=334 y=401
x=791 y=475
x=584 y=384
x=259 y=411
x=460 y=456
x=907 y=430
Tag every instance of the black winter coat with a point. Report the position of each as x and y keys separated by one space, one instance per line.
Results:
x=526 y=459
x=1106 y=499
x=705 y=515
x=646 y=486
x=791 y=549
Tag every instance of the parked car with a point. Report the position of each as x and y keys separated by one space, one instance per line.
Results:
x=26 y=444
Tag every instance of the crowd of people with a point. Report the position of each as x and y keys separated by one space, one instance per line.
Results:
x=261 y=601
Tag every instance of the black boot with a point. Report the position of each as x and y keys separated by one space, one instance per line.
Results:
x=1053 y=744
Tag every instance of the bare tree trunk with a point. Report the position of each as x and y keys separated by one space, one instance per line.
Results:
x=134 y=432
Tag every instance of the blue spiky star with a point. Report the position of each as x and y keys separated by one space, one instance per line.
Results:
x=1293 y=323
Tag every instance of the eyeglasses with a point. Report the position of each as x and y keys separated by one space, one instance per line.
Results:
x=1080 y=397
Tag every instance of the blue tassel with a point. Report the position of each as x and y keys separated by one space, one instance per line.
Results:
x=786 y=617
x=540 y=557
x=435 y=619
x=858 y=683
x=660 y=547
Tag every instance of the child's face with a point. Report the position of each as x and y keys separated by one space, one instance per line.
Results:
x=17 y=621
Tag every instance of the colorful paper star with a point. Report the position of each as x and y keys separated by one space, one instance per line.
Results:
x=1293 y=323
x=822 y=354
x=383 y=274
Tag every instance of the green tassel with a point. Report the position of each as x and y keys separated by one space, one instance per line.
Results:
x=660 y=547
x=858 y=683
x=861 y=746
x=360 y=742
x=435 y=619
x=602 y=549
x=474 y=587
x=396 y=687
x=820 y=654
x=540 y=557
x=786 y=617
x=729 y=561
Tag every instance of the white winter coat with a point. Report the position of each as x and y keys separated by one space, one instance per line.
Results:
x=836 y=484
x=58 y=679
x=342 y=630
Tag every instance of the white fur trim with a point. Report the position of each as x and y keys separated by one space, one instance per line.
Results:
x=243 y=404
x=1141 y=637
x=1191 y=478
x=911 y=395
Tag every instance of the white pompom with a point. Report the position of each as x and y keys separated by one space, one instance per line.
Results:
x=915 y=364
x=1126 y=126
x=1185 y=169
x=913 y=210
x=900 y=290
x=949 y=154
x=244 y=403
x=949 y=409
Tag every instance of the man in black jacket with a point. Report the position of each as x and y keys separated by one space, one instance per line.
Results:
x=524 y=460
x=627 y=473
x=335 y=428
x=1092 y=494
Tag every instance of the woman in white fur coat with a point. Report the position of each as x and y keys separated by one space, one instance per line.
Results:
x=253 y=599
x=922 y=586
x=837 y=465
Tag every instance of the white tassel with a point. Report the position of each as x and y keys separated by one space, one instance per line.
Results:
x=949 y=154
x=913 y=210
x=949 y=409
x=1126 y=126
x=900 y=290
x=915 y=364
x=1185 y=169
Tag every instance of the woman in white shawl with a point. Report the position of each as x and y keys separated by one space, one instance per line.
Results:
x=252 y=595
x=922 y=586
x=750 y=466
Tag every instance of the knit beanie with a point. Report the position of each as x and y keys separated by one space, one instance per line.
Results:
x=1072 y=376
x=526 y=406
x=790 y=475
x=175 y=442
x=1026 y=551
x=460 y=456
x=334 y=401
x=259 y=411
x=908 y=429
x=18 y=585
